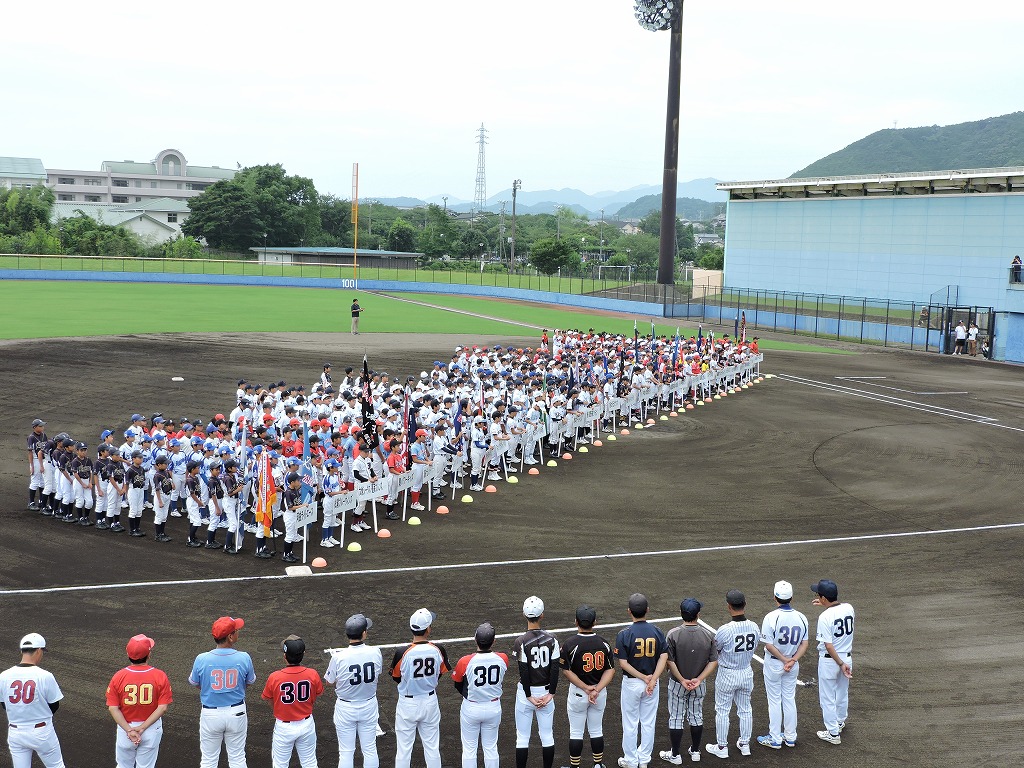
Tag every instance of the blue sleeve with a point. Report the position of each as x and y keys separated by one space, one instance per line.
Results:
x=250 y=672
x=621 y=646
x=194 y=675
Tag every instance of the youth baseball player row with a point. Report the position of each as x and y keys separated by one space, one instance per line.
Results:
x=488 y=413
x=139 y=695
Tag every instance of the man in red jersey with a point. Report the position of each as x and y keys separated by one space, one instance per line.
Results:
x=293 y=690
x=137 y=698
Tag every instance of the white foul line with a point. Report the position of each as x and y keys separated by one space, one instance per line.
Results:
x=523 y=561
x=868 y=381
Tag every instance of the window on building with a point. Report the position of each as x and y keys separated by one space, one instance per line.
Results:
x=178 y=185
x=65 y=180
x=92 y=198
x=138 y=182
x=66 y=198
x=138 y=199
x=120 y=182
x=196 y=187
x=120 y=198
x=152 y=185
x=172 y=218
x=93 y=182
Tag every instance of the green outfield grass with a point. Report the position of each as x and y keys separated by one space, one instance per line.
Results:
x=27 y=310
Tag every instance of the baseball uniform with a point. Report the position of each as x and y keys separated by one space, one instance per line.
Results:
x=785 y=629
x=222 y=676
x=30 y=695
x=416 y=668
x=736 y=642
x=835 y=626
x=137 y=691
x=691 y=648
x=293 y=691
x=536 y=653
x=478 y=677
x=641 y=645
x=354 y=672
x=588 y=656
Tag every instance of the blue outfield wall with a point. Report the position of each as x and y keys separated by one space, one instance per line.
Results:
x=394 y=286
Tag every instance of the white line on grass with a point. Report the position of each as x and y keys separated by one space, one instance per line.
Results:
x=524 y=561
x=456 y=311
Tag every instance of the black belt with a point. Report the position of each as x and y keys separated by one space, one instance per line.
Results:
x=226 y=706
x=416 y=696
x=829 y=656
x=37 y=725
x=297 y=721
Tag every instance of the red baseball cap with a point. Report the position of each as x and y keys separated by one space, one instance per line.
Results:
x=140 y=646
x=225 y=625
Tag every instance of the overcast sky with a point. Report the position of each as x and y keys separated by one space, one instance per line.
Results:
x=571 y=91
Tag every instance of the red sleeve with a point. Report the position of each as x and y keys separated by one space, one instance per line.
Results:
x=268 y=689
x=165 y=690
x=316 y=682
x=460 y=668
x=114 y=691
x=503 y=657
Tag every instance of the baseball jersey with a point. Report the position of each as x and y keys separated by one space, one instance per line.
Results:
x=418 y=666
x=27 y=692
x=292 y=498
x=36 y=443
x=835 y=625
x=135 y=476
x=586 y=655
x=537 y=653
x=137 y=690
x=736 y=642
x=293 y=690
x=691 y=648
x=221 y=676
x=354 y=672
x=640 y=645
x=478 y=676
x=785 y=628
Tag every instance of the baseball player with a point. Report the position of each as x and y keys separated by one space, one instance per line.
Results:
x=643 y=655
x=80 y=469
x=354 y=672
x=30 y=695
x=163 y=487
x=222 y=676
x=536 y=653
x=135 y=480
x=35 y=442
x=835 y=664
x=293 y=691
x=193 y=492
x=586 y=662
x=292 y=499
x=784 y=634
x=333 y=487
x=478 y=678
x=419 y=453
x=736 y=643
x=138 y=697
x=417 y=668
x=692 y=657
x=230 y=504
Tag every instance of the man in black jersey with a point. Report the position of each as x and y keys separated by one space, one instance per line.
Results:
x=586 y=662
x=536 y=653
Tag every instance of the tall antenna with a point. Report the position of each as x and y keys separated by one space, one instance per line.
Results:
x=480 y=197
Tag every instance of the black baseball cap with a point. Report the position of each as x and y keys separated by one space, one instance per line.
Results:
x=293 y=645
x=484 y=635
x=586 y=615
x=735 y=598
x=826 y=588
x=356 y=624
x=638 y=604
x=689 y=608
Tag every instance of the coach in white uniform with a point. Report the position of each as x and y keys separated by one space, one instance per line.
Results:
x=835 y=665
x=736 y=643
x=478 y=678
x=354 y=672
x=30 y=695
x=416 y=668
x=784 y=634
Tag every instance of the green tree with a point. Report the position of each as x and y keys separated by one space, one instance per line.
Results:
x=225 y=216
x=183 y=248
x=335 y=221
x=401 y=236
x=710 y=256
x=24 y=210
x=548 y=255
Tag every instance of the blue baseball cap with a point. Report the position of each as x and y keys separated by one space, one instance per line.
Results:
x=826 y=588
x=147 y=439
x=292 y=462
x=209 y=446
x=331 y=464
x=689 y=608
x=138 y=417
x=197 y=441
x=174 y=443
x=211 y=429
x=106 y=433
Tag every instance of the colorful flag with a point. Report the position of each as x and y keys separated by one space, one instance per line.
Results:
x=369 y=423
x=267 y=494
x=700 y=337
x=675 y=353
x=743 y=328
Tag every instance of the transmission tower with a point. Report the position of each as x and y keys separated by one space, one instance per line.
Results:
x=480 y=197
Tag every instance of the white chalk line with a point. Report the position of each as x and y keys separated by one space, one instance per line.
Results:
x=456 y=311
x=867 y=381
x=523 y=561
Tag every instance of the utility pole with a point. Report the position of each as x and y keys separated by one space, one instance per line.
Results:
x=516 y=186
x=600 y=251
x=480 y=196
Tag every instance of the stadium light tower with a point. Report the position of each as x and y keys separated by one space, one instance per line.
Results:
x=658 y=16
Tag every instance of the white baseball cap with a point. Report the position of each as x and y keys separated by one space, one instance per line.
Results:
x=421 y=620
x=533 y=607
x=783 y=590
x=32 y=641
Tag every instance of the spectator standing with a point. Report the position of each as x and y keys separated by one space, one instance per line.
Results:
x=972 y=339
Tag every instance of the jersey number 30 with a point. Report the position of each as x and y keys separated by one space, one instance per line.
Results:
x=292 y=692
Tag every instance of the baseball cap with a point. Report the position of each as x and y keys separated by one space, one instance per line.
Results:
x=783 y=590
x=32 y=641
x=689 y=608
x=533 y=607
x=138 y=417
x=293 y=645
x=105 y=434
x=586 y=615
x=637 y=604
x=826 y=588
x=140 y=646
x=225 y=625
x=421 y=620
x=735 y=598
x=356 y=624
x=484 y=635
x=38 y=423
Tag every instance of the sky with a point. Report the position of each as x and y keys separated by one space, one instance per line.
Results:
x=572 y=92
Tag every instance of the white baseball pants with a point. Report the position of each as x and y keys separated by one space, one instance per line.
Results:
x=780 y=688
x=144 y=755
x=419 y=714
x=227 y=726
x=733 y=686
x=352 y=718
x=525 y=712
x=584 y=715
x=833 y=692
x=639 y=716
x=136 y=497
x=299 y=735
x=479 y=721
x=23 y=740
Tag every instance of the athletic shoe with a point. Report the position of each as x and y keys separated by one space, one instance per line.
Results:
x=842 y=725
x=71 y=518
x=530 y=461
x=668 y=757
x=456 y=485
x=380 y=731
x=33 y=507
x=624 y=763
x=694 y=756
x=137 y=534
x=148 y=505
x=193 y=543
x=231 y=550
x=124 y=505
x=288 y=557
x=327 y=543
x=262 y=554
x=829 y=737
x=274 y=534
x=743 y=747
x=46 y=512
x=251 y=528
x=476 y=487
x=437 y=495
x=363 y=525
x=334 y=541
x=223 y=524
x=493 y=476
x=116 y=528
x=511 y=470
x=102 y=525
x=85 y=522
x=175 y=513
x=356 y=527
x=767 y=741
x=583 y=441
x=163 y=537
x=718 y=750
x=211 y=545
x=790 y=742
x=417 y=506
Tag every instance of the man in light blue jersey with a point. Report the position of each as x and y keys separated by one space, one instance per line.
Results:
x=222 y=676
x=784 y=634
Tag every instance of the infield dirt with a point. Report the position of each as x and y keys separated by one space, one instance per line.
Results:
x=938 y=643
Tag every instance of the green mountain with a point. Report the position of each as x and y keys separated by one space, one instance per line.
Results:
x=686 y=208
x=991 y=143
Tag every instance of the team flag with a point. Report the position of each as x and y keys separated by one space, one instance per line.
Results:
x=636 y=338
x=675 y=353
x=743 y=328
x=369 y=425
x=267 y=496
x=700 y=337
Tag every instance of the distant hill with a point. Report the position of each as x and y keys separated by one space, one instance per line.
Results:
x=991 y=143
x=686 y=208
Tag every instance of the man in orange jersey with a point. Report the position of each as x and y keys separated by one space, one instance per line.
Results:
x=293 y=690
x=137 y=698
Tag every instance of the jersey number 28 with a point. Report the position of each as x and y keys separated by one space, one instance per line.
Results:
x=747 y=642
